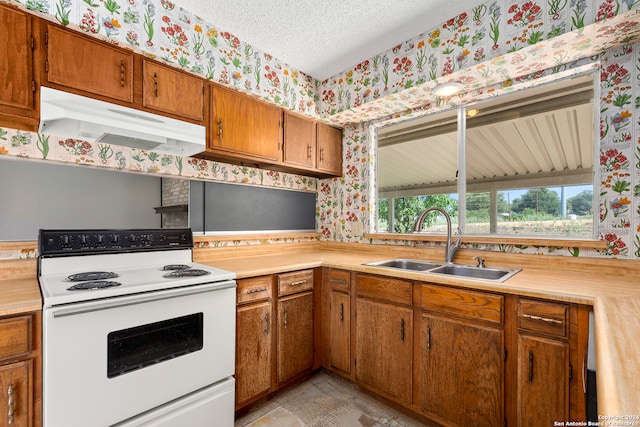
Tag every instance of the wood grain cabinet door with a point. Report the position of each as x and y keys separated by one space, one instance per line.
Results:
x=295 y=335
x=171 y=91
x=16 y=388
x=543 y=381
x=462 y=372
x=329 y=149
x=299 y=141
x=340 y=331
x=245 y=127
x=16 y=71
x=384 y=347
x=253 y=351
x=87 y=64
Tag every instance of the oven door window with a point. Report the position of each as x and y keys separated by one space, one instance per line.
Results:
x=135 y=348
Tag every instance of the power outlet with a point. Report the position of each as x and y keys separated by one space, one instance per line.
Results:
x=357 y=229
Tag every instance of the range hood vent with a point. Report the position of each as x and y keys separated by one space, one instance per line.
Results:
x=68 y=115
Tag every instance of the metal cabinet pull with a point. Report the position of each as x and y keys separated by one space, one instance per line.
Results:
x=285 y=318
x=155 y=84
x=339 y=281
x=11 y=403
x=266 y=324
x=220 y=129
x=299 y=282
x=530 y=366
x=308 y=151
x=543 y=319
x=402 y=329
x=321 y=154
x=254 y=291
x=429 y=338
x=122 y=72
x=341 y=312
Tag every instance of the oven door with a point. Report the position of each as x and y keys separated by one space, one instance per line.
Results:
x=106 y=361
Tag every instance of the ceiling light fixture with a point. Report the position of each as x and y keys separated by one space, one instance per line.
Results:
x=472 y=113
x=447 y=89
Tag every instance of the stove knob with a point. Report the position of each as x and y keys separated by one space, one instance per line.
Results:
x=100 y=239
x=132 y=238
x=115 y=239
x=83 y=239
x=65 y=239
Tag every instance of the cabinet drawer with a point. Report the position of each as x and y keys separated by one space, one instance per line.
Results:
x=384 y=288
x=543 y=316
x=462 y=302
x=15 y=337
x=297 y=281
x=340 y=280
x=254 y=289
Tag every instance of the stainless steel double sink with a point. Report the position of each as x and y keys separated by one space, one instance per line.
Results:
x=493 y=274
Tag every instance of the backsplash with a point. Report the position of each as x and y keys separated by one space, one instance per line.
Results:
x=498 y=45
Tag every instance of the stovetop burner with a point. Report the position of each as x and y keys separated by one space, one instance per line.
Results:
x=92 y=275
x=94 y=284
x=191 y=272
x=172 y=267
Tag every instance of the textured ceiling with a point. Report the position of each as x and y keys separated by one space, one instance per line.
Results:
x=324 y=38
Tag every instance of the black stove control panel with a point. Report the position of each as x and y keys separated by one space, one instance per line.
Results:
x=68 y=242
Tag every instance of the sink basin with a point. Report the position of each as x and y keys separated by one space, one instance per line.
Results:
x=493 y=274
x=407 y=264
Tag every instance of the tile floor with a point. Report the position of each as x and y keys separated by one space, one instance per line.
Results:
x=325 y=400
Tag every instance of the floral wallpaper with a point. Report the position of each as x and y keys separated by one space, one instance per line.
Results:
x=498 y=45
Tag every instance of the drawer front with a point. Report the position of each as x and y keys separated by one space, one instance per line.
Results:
x=297 y=281
x=15 y=337
x=542 y=316
x=462 y=302
x=384 y=289
x=340 y=280
x=254 y=289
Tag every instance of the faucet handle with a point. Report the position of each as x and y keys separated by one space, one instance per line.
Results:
x=480 y=261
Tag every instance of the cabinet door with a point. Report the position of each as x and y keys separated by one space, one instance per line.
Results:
x=80 y=62
x=16 y=387
x=340 y=331
x=253 y=351
x=384 y=347
x=329 y=146
x=299 y=141
x=295 y=335
x=462 y=368
x=171 y=91
x=543 y=381
x=16 y=69
x=244 y=127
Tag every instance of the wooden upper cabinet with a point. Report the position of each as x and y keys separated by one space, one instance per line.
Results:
x=329 y=149
x=172 y=91
x=79 y=62
x=299 y=141
x=17 y=84
x=244 y=128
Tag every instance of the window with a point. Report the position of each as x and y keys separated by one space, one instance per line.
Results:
x=527 y=160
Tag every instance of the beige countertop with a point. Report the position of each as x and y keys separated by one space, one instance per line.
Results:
x=19 y=296
x=614 y=293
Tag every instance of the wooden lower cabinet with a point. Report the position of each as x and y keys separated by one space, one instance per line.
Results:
x=17 y=386
x=384 y=336
x=254 y=355
x=295 y=335
x=340 y=331
x=543 y=381
x=462 y=372
x=20 y=370
x=274 y=333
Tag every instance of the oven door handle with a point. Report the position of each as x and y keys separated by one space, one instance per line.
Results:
x=120 y=301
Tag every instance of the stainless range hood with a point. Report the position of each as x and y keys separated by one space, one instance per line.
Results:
x=72 y=116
